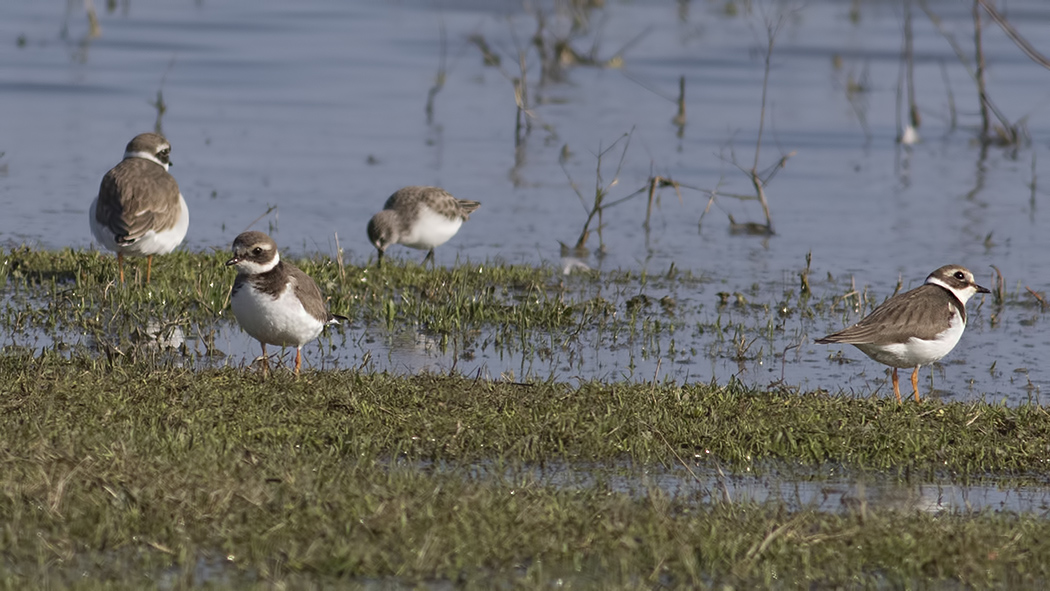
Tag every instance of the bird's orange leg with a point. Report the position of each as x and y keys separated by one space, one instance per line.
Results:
x=915 y=383
x=896 y=386
x=298 y=359
x=120 y=263
x=149 y=267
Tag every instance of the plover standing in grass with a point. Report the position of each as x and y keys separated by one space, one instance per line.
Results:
x=917 y=327
x=274 y=301
x=139 y=210
x=418 y=217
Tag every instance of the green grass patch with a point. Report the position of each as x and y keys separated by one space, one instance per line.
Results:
x=77 y=291
x=135 y=471
x=434 y=417
x=195 y=287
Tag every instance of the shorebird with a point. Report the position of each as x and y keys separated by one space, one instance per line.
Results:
x=418 y=217
x=917 y=327
x=274 y=301
x=139 y=210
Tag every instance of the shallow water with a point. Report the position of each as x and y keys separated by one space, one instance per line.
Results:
x=832 y=491
x=318 y=108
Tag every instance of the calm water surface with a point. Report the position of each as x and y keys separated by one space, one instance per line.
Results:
x=318 y=108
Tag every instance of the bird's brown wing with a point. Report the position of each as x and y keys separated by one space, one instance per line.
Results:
x=137 y=196
x=915 y=313
x=309 y=294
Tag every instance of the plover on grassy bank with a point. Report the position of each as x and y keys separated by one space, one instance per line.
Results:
x=418 y=217
x=139 y=210
x=274 y=301
x=917 y=327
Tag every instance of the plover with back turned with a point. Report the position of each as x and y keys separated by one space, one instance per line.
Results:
x=917 y=327
x=139 y=210
x=418 y=217
x=274 y=301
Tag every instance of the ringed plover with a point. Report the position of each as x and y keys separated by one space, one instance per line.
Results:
x=274 y=301
x=139 y=210
x=917 y=327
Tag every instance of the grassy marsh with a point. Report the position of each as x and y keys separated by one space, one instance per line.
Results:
x=123 y=467
x=528 y=320
x=70 y=297
x=513 y=321
x=195 y=286
x=123 y=459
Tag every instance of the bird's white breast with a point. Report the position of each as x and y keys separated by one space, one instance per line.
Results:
x=915 y=352
x=430 y=229
x=282 y=321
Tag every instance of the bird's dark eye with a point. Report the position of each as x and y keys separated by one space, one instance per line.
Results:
x=960 y=276
x=257 y=250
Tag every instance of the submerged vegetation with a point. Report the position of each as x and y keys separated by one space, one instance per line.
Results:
x=511 y=320
x=67 y=299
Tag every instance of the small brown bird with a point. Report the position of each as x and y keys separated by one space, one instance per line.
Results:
x=418 y=217
x=274 y=301
x=139 y=210
x=917 y=327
